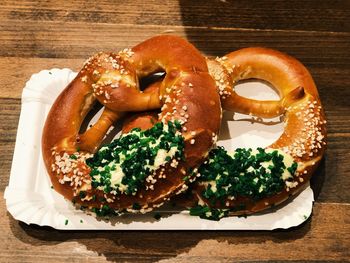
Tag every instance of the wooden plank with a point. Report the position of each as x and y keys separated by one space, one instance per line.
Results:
x=331 y=182
x=17 y=71
x=328 y=60
x=326 y=236
x=71 y=40
x=9 y=114
x=81 y=39
x=277 y=14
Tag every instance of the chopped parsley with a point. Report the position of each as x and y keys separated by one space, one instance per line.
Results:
x=82 y=194
x=249 y=174
x=104 y=211
x=210 y=213
x=123 y=165
x=136 y=206
x=245 y=174
x=74 y=157
x=206 y=212
x=157 y=216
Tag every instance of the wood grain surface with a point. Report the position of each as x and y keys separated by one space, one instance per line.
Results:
x=36 y=35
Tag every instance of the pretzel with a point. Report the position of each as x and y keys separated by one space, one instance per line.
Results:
x=302 y=142
x=190 y=111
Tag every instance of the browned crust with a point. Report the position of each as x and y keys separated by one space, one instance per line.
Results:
x=190 y=86
x=304 y=136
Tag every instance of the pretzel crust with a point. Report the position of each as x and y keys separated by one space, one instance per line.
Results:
x=304 y=136
x=187 y=94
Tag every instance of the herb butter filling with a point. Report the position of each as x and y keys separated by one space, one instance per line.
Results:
x=122 y=166
x=255 y=174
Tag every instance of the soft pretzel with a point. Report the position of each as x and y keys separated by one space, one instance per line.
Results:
x=300 y=148
x=249 y=181
x=190 y=117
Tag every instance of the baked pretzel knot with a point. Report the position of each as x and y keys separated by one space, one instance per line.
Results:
x=252 y=180
x=142 y=169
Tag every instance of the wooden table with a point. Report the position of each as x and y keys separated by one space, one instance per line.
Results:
x=41 y=35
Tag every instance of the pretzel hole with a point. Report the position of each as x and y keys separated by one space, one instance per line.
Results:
x=92 y=117
x=257 y=89
x=94 y=136
x=150 y=79
x=240 y=130
x=97 y=109
x=94 y=113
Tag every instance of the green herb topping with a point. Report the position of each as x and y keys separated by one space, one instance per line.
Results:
x=255 y=174
x=104 y=211
x=123 y=165
x=74 y=157
x=206 y=212
x=157 y=216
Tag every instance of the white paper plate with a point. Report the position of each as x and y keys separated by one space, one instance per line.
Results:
x=29 y=197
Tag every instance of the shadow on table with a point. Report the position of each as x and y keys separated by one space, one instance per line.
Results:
x=318 y=178
x=151 y=245
x=219 y=27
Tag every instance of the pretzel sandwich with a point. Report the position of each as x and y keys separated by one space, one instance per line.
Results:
x=143 y=168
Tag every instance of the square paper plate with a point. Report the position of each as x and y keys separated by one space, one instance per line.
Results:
x=29 y=197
